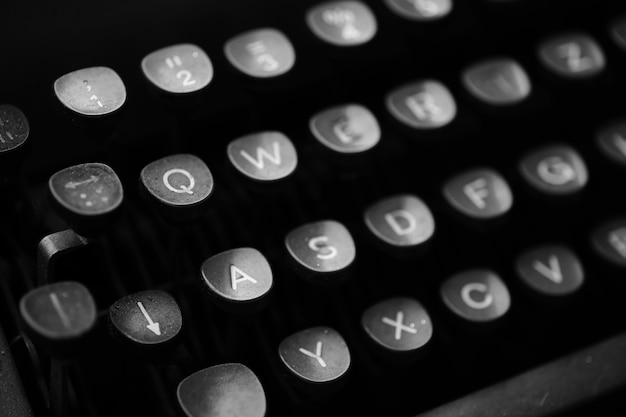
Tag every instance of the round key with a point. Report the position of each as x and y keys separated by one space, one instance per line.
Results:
x=178 y=69
x=609 y=241
x=400 y=221
x=261 y=53
x=179 y=185
x=479 y=193
x=478 y=296
x=58 y=315
x=497 y=82
x=554 y=271
x=346 y=129
x=618 y=32
x=147 y=318
x=95 y=91
x=239 y=280
x=264 y=156
x=342 y=23
x=420 y=10
x=87 y=194
x=14 y=128
x=573 y=56
x=612 y=142
x=318 y=358
x=399 y=325
x=555 y=170
x=422 y=105
x=228 y=390
x=322 y=249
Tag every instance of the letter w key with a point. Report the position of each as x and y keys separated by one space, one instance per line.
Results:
x=265 y=156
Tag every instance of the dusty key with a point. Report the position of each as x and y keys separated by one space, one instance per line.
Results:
x=87 y=196
x=228 y=390
x=59 y=316
x=178 y=69
x=239 y=280
x=91 y=92
x=146 y=320
x=177 y=186
x=317 y=359
x=321 y=251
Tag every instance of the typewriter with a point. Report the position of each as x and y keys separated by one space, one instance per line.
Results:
x=313 y=208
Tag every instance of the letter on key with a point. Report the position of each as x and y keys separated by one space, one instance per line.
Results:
x=178 y=69
x=261 y=53
x=181 y=180
x=422 y=105
x=551 y=270
x=609 y=241
x=402 y=220
x=240 y=279
x=146 y=318
x=264 y=156
x=95 y=91
x=480 y=193
x=346 y=129
x=322 y=247
x=317 y=355
x=228 y=390
x=477 y=296
x=342 y=23
x=612 y=141
x=556 y=170
x=398 y=324
x=421 y=10
x=498 y=82
x=573 y=56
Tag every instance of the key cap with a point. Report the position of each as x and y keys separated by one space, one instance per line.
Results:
x=618 y=32
x=178 y=69
x=498 y=82
x=421 y=10
x=14 y=129
x=553 y=271
x=573 y=56
x=146 y=320
x=59 y=316
x=609 y=241
x=261 y=53
x=91 y=92
x=265 y=157
x=422 y=105
x=227 y=390
x=87 y=195
x=342 y=23
x=612 y=142
x=476 y=296
x=555 y=170
x=480 y=194
x=400 y=221
x=239 y=280
x=346 y=129
x=317 y=359
x=321 y=251
x=177 y=186
x=398 y=326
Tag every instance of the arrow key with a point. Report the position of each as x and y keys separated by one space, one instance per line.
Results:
x=146 y=319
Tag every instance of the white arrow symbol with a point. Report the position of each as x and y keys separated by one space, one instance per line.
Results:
x=154 y=327
x=73 y=185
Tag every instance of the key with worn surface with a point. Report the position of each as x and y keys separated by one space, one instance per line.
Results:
x=59 y=316
x=91 y=92
x=146 y=320
x=87 y=196
x=239 y=280
x=552 y=271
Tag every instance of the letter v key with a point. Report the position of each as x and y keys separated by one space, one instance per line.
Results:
x=553 y=272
